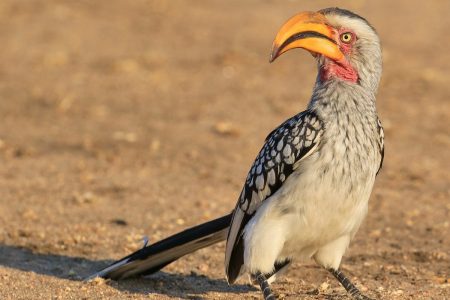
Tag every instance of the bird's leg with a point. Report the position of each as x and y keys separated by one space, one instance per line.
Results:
x=264 y=285
x=346 y=283
x=278 y=266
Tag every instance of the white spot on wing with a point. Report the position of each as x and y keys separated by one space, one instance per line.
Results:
x=260 y=182
x=280 y=145
x=302 y=131
x=307 y=143
x=289 y=160
x=271 y=177
x=287 y=150
x=258 y=169
x=278 y=158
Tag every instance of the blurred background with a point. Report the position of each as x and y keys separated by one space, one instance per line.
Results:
x=120 y=119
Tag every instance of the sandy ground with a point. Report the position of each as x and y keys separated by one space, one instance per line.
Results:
x=121 y=119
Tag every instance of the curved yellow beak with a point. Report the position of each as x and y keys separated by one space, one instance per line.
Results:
x=307 y=30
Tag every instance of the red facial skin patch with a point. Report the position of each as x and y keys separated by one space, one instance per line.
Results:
x=340 y=69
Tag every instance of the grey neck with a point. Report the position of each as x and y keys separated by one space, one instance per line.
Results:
x=336 y=96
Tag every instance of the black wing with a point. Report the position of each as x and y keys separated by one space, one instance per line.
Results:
x=280 y=156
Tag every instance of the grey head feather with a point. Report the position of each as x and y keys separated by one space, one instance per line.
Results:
x=366 y=56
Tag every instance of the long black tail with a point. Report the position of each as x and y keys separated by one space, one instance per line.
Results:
x=153 y=258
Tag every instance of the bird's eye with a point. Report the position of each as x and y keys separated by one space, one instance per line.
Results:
x=346 y=37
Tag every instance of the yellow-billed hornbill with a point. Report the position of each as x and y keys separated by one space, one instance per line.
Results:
x=307 y=192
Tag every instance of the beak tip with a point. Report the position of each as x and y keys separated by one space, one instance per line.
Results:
x=273 y=55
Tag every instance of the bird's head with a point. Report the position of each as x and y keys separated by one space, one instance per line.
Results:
x=346 y=46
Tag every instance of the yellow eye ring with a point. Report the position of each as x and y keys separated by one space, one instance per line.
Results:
x=346 y=37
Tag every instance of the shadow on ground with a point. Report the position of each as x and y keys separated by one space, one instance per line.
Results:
x=61 y=266
x=191 y=286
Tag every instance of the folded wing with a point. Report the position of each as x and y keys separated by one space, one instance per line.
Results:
x=283 y=150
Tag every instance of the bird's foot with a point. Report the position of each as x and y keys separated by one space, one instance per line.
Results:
x=348 y=285
x=264 y=285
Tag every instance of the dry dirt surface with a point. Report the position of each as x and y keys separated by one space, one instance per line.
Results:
x=121 y=119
